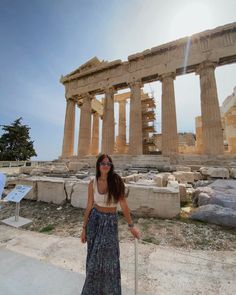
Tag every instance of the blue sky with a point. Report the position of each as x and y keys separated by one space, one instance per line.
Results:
x=43 y=39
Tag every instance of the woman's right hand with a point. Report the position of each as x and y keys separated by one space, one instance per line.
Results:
x=83 y=236
x=135 y=232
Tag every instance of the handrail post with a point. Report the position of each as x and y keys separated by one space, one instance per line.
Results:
x=136 y=266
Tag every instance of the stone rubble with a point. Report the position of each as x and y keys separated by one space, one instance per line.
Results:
x=164 y=191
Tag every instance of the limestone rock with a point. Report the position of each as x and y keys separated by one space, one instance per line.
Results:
x=197 y=176
x=219 y=172
x=171 y=178
x=164 y=176
x=40 y=170
x=75 y=166
x=223 y=184
x=220 y=192
x=202 y=183
x=148 y=182
x=204 y=170
x=205 y=189
x=232 y=164
x=51 y=191
x=79 y=196
x=82 y=174
x=159 y=201
x=133 y=177
x=203 y=199
x=183 y=168
x=213 y=172
x=158 y=180
x=165 y=168
x=198 y=191
x=215 y=214
x=139 y=176
x=233 y=172
x=183 y=192
x=184 y=177
x=129 y=178
x=58 y=169
x=181 y=187
x=173 y=183
x=69 y=184
x=26 y=169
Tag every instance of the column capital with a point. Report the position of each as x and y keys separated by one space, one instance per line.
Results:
x=167 y=75
x=84 y=98
x=122 y=101
x=136 y=83
x=86 y=95
x=110 y=90
x=207 y=64
x=93 y=112
x=71 y=98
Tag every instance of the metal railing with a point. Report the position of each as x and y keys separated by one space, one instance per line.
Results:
x=9 y=164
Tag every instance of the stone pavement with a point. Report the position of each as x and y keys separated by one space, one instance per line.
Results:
x=20 y=275
x=36 y=263
x=33 y=263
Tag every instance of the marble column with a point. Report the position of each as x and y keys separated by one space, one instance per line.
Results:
x=69 y=129
x=94 y=148
x=212 y=133
x=85 y=126
x=121 y=138
x=198 y=125
x=135 y=127
x=108 y=126
x=169 y=124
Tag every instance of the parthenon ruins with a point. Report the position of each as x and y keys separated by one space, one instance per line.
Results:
x=200 y=54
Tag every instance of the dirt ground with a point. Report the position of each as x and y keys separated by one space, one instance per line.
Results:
x=66 y=221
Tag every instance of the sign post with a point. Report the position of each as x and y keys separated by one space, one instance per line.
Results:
x=16 y=195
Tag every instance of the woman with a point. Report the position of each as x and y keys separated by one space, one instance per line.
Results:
x=100 y=230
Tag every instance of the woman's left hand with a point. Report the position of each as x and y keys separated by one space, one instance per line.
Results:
x=135 y=232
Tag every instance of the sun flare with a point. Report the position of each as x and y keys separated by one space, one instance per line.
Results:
x=190 y=19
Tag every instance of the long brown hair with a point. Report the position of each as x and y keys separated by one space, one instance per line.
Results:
x=116 y=187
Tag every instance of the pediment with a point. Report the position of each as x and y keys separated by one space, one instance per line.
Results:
x=88 y=65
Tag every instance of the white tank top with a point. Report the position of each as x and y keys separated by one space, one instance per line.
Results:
x=100 y=199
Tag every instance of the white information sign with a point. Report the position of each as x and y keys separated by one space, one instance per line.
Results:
x=18 y=193
x=2 y=183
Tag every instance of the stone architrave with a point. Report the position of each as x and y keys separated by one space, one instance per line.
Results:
x=121 y=138
x=94 y=148
x=85 y=126
x=69 y=129
x=169 y=123
x=212 y=133
x=108 y=126
x=135 y=128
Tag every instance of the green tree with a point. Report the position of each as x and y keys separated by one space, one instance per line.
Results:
x=15 y=144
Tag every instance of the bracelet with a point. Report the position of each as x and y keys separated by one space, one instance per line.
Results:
x=130 y=225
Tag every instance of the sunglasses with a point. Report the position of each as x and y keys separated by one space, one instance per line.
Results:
x=105 y=164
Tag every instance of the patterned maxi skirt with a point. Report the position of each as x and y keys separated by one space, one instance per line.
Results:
x=103 y=255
